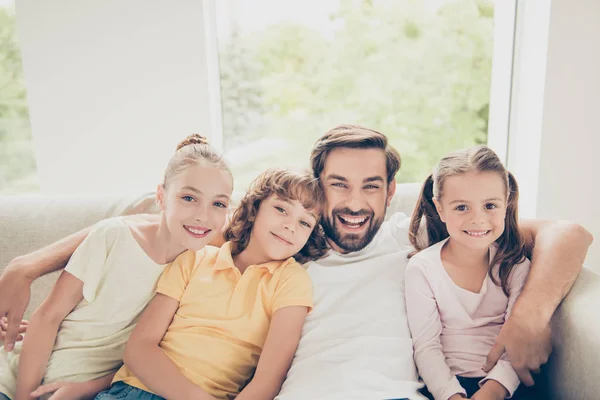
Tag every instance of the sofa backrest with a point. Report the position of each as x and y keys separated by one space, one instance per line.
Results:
x=28 y=223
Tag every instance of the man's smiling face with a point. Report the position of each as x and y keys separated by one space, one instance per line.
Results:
x=357 y=193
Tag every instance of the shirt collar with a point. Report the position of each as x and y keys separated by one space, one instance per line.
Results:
x=225 y=260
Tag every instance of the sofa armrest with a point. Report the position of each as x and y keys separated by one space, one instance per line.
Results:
x=573 y=371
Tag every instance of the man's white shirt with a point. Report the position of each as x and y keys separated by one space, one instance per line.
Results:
x=356 y=343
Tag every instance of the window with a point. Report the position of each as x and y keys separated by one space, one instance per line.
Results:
x=17 y=161
x=418 y=71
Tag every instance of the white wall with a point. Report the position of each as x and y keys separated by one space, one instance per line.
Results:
x=555 y=140
x=108 y=82
x=569 y=182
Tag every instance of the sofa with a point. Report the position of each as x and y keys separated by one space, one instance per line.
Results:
x=573 y=371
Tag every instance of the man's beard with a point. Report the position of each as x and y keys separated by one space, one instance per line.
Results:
x=350 y=242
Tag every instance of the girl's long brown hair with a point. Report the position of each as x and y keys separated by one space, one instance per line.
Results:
x=511 y=248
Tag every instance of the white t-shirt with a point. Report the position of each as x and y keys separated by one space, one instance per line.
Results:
x=356 y=343
x=119 y=279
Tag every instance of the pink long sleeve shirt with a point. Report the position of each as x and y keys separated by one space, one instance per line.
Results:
x=454 y=329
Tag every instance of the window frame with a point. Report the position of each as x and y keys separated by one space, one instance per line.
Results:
x=505 y=27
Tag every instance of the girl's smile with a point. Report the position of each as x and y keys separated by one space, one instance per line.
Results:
x=197 y=232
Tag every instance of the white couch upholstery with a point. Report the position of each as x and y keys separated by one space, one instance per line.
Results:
x=573 y=372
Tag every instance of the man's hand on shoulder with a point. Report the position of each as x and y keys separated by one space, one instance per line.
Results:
x=527 y=343
x=15 y=292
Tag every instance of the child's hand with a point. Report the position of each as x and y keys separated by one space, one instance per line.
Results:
x=63 y=391
x=4 y=328
x=15 y=291
x=491 y=390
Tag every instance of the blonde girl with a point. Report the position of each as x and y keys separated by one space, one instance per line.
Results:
x=76 y=338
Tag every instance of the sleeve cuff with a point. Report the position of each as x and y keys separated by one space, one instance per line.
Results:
x=305 y=302
x=453 y=387
x=167 y=291
x=505 y=374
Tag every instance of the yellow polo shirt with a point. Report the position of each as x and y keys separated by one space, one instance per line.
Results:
x=220 y=327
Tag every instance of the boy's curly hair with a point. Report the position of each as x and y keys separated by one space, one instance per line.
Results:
x=287 y=185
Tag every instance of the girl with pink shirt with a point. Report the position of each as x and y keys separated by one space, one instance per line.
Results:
x=463 y=282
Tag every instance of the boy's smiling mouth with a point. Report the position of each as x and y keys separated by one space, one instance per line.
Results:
x=282 y=239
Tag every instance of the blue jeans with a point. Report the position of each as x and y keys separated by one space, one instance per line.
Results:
x=123 y=391
x=3 y=397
